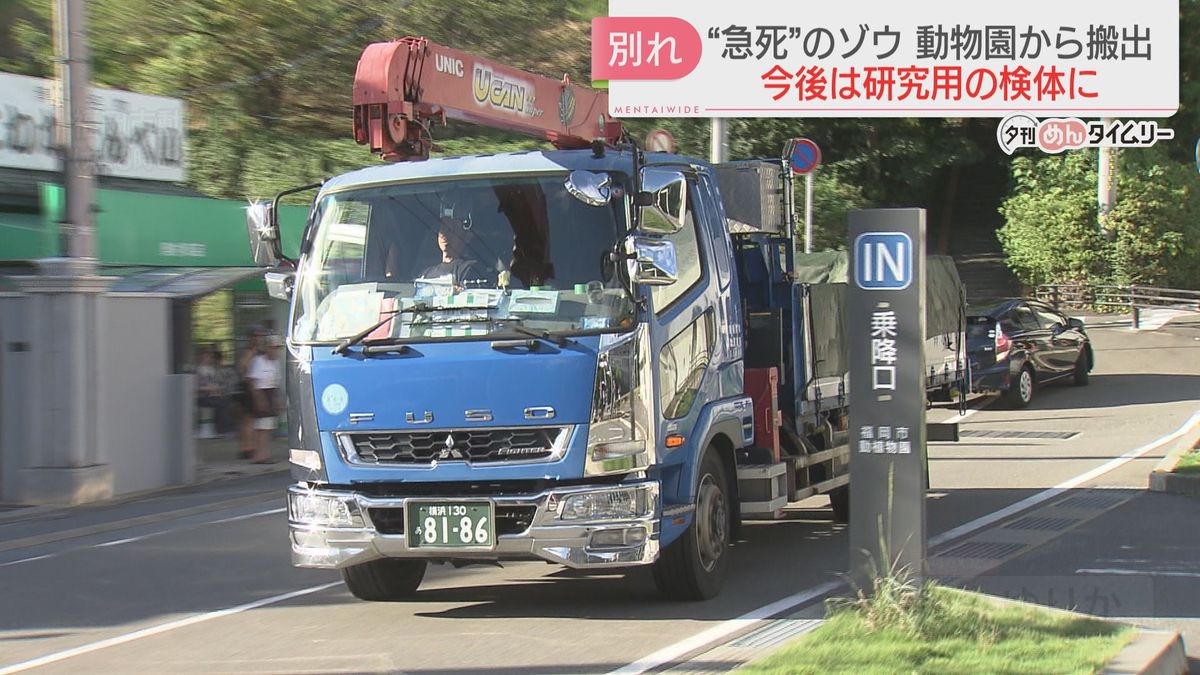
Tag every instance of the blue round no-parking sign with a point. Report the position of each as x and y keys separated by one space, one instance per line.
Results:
x=806 y=156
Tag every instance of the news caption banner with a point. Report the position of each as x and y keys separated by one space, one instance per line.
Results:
x=880 y=59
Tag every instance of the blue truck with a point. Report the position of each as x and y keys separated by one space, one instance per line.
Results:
x=594 y=356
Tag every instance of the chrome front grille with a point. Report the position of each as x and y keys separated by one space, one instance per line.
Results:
x=515 y=444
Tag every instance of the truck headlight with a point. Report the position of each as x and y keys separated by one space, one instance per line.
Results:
x=309 y=459
x=621 y=433
x=323 y=510
x=615 y=504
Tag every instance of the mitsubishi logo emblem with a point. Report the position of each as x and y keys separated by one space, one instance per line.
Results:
x=449 y=452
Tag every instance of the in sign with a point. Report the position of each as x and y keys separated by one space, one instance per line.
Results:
x=883 y=261
x=805 y=156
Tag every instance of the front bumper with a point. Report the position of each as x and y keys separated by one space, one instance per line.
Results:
x=359 y=538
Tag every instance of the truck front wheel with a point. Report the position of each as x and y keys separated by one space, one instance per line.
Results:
x=694 y=566
x=387 y=579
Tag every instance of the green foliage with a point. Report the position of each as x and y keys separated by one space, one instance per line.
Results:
x=950 y=631
x=1189 y=464
x=833 y=200
x=267 y=85
x=1155 y=222
x=212 y=320
x=1051 y=234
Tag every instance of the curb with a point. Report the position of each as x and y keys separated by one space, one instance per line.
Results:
x=52 y=510
x=1162 y=478
x=16 y=512
x=1151 y=652
x=100 y=528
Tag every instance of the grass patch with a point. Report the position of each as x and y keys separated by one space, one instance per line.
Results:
x=944 y=630
x=1189 y=464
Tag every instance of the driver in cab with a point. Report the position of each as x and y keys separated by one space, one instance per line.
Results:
x=454 y=239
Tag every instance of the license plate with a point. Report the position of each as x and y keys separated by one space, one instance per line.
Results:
x=451 y=524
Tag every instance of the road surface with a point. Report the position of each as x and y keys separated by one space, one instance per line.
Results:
x=173 y=583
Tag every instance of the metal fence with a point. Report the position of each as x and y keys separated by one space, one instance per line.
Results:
x=1131 y=299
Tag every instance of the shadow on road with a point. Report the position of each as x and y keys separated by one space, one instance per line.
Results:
x=1110 y=391
x=1138 y=562
x=161 y=577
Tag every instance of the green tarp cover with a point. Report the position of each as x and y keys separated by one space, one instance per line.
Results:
x=944 y=293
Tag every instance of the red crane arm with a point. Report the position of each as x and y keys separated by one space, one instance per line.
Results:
x=402 y=88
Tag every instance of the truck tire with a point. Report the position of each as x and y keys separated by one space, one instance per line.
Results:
x=693 y=567
x=384 y=580
x=839 y=501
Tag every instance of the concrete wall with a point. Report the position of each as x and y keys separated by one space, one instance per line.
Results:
x=140 y=434
x=140 y=399
x=16 y=404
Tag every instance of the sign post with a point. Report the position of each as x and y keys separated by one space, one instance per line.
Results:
x=804 y=159
x=886 y=303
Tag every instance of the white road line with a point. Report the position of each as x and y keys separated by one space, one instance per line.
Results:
x=25 y=560
x=1062 y=487
x=1138 y=573
x=976 y=407
x=248 y=516
x=725 y=628
x=128 y=540
x=159 y=629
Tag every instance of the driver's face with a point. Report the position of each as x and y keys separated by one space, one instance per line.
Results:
x=452 y=239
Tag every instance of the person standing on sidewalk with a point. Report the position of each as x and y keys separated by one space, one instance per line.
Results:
x=247 y=436
x=264 y=380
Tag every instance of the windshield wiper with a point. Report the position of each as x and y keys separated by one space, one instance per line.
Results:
x=546 y=335
x=358 y=337
x=418 y=308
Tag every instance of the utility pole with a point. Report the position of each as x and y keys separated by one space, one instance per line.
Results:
x=59 y=460
x=1106 y=184
x=75 y=133
x=718 y=147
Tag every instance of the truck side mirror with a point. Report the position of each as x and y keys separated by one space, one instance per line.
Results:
x=280 y=283
x=263 y=228
x=593 y=189
x=662 y=200
x=651 y=261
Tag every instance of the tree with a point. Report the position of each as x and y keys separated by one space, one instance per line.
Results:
x=1051 y=233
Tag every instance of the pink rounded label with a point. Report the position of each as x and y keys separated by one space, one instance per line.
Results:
x=643 y=48
x=1056 y=135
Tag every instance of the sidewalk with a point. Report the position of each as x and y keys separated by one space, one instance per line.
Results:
x=218 y=458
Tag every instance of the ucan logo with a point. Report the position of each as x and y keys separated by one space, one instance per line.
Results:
x=883 y=261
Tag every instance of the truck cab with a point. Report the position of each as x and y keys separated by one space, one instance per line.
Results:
x=527 y=356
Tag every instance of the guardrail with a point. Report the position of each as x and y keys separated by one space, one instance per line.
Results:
x=1133 y=298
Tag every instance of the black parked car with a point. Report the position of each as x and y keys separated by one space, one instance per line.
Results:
x=1019 y=344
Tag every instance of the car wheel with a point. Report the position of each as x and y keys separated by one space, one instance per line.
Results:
x=1081 y=369
x=693 y=567
x=1020 y=394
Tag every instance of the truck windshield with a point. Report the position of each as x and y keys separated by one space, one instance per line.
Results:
x=459 y=259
